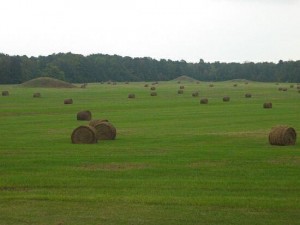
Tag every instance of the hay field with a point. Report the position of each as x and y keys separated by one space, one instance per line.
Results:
x=174 y=160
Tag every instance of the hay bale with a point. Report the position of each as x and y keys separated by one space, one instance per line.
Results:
x=152 y=88
x=153 y=93
x=203 y=101
x=5 y=93
x=282 y=135
x=68 y=101
x=291 y=86
x=280 y=89
x=180 y=91
x=267 y=105
x=298 y=87
x=94 y=122
x=195 y=94
x=83 y=85
x=284 y=89
x=211 y=85
x=226 y=99
x=131 y=96
x=146 y=85
x=84 y=135
x=181 y=87
x=248 y=95
x=235 y=85
x=84 y=115
x=105 y=131
x=37 y=95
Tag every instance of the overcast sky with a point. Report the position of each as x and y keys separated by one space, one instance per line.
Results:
x=213 y=30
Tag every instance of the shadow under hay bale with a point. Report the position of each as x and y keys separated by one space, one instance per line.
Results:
x=282 y=135
x=5 y=93
x=153 y=93
x=195 y=94
x=226 y=99
x=84 y=135
x=181 y=87
x=131 y=96
x=248 y=95
x=105 y=131
x=68 y=101
x=203 y=101
x=84 y=115
x=180 y=91
x=267 y=105
x=37 y=95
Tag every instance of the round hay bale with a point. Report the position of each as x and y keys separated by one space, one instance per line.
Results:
x=68 y=101
x=181 y=87
x=280 y=89
x=298 y=87
x=291 y=86
x=211 y=85
x=131 y=96
x=84 y=135
x=248 y=95
x=178 y=82
x=105 y=131
x=180 y=91
x=153 y=93
x=84 y=115
x=226 y=99
x=37 y=95
x=83 y=85
x=146 y=85
x=94 y=122
x=5 y=93
x=267 y=105
x=203 y=101
x=284 y=89
x=235 y=85
x=282 y=135
x=152 y=88
x=195 y=94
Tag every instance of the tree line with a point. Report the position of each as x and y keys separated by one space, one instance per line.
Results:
x=76 y=68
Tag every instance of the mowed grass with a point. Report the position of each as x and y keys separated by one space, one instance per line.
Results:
x=174 y=161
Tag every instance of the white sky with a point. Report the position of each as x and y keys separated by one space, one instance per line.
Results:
x=214 y=30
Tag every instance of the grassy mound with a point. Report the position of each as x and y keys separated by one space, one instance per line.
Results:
x=47 y=82
x=185 y=78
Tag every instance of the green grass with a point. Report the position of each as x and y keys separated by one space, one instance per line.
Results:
x=174 y=161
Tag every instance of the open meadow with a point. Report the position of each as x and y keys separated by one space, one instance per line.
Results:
x=174 y=160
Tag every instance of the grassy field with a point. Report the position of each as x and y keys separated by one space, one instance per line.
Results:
x=174 y=161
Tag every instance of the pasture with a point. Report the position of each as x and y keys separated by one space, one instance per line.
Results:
x=174 y=160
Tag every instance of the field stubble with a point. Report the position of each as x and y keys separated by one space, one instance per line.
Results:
x=174 y=161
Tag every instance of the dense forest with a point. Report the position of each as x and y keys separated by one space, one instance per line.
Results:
x=77 y=68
